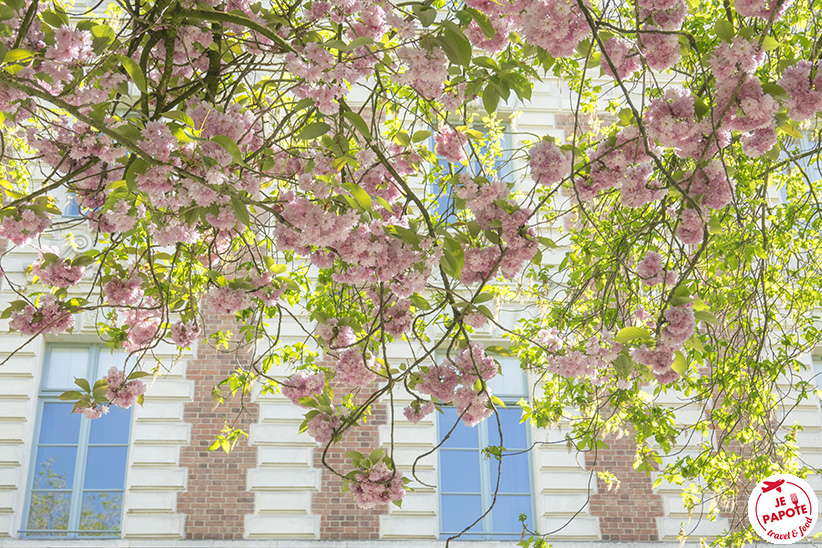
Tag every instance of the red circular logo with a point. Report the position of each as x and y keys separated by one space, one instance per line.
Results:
x=782 y=509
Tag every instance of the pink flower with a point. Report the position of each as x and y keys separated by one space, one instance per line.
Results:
x=23 y=225
x=321 y=427
x=804 y=93
x=158 y=141
x=50 y=317
x=623 y=55
x=418 y=411
x=549 y=164
x=558 y=26
x=93 y=412
x=378 y=485
x=225 y=300
x=439 y=381
x=302 y=385
x=681 y=325
x=184 y=333
x=450 y=144
x=762 y=8
x=426 y=71
x=124 y=293
x=691 y=228
x=480 y=264
x=472 y=406
x=353 y=370
x=713 y=184
x=121 y=393
x=759 y=141
x=661 y=51
x=56 y=272
x=473 y=364
x=650 y=268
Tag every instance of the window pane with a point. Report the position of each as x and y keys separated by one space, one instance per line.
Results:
x=54 y=468
x=511 y=382
x=515 y=474
x=105 y=468
x=106 y=359
x=514 y=433
x=101 y=512
x=458 y=511
x=48 y=511
x=111 y=428
x=66 y=363
x=59 y=424
x=506 y=511
x=459 y=472
x=462 y=436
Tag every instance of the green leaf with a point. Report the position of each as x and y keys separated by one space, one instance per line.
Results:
x=490 y=98
x=707 y=317
x=134 y=71
x=314 y=130
x=82 y=383
x=230 y=145
x=632 y=333
x=680 y=363
x=17 y=55
x=241 y=210
x=70 y=395
x=420 y=136
x=55 y=19
x=484 y=24
x=420 y=302
x=455 y=45
x=358 y=123
x=453 y=249
x=137 y=167
x=360 y=195
x=724 y=29
x=425 y=14
x=770 y=43
x=498 y=402
x=179 y=116
x=499 y=350
x=376 y=455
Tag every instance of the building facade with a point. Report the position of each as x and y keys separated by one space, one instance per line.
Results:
x=145 y=477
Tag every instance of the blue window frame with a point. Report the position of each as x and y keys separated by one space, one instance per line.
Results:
x=78 y=467
x=502 y=165
x=468 y=479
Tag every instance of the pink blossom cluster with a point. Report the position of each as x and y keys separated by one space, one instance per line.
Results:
x=594 y=361
x=548 y=163
x=659 y=359
x=56 y=272
x=142 y=327
x=661 y=51
x=92 y=412
x=377 y=485
x=321 y=427
x=426 y=71
x=680 y=325
x=450 y=144
x=691 y=228
x=558 y=26
x=23 y=225
x=667 y=14
x=50 y=316
x=312 y=226
x=418 y=410
x=397 y=316
x=158 y=141
x=623 y=55
x=302 y=385
x=763 y=9
x=730 y=59
x=712 y=184
x=355 y=370
x=225 y=300
x=759 y=141
x=671 y=121
x=439 y=381
x=650 y=269
x=128 y=292
x=473 y=364
x=480 y=264
x=804 y=93
x=520 y=243
x=472 y=406
x=71 y=46
x=123 y=393
x=184 y=334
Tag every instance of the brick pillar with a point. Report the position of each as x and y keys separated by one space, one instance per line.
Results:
x=216 y=500
x=628 y=512
x=341 y=518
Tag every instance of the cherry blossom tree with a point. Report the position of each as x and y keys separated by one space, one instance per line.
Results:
x=291 y=161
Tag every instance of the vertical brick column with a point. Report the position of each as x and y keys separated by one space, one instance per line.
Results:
x=341 y=518
x=629 y=512
x=216 y=500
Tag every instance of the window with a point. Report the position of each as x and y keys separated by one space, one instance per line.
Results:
x=79 y=465
x=468 y=479
x=502 y=166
